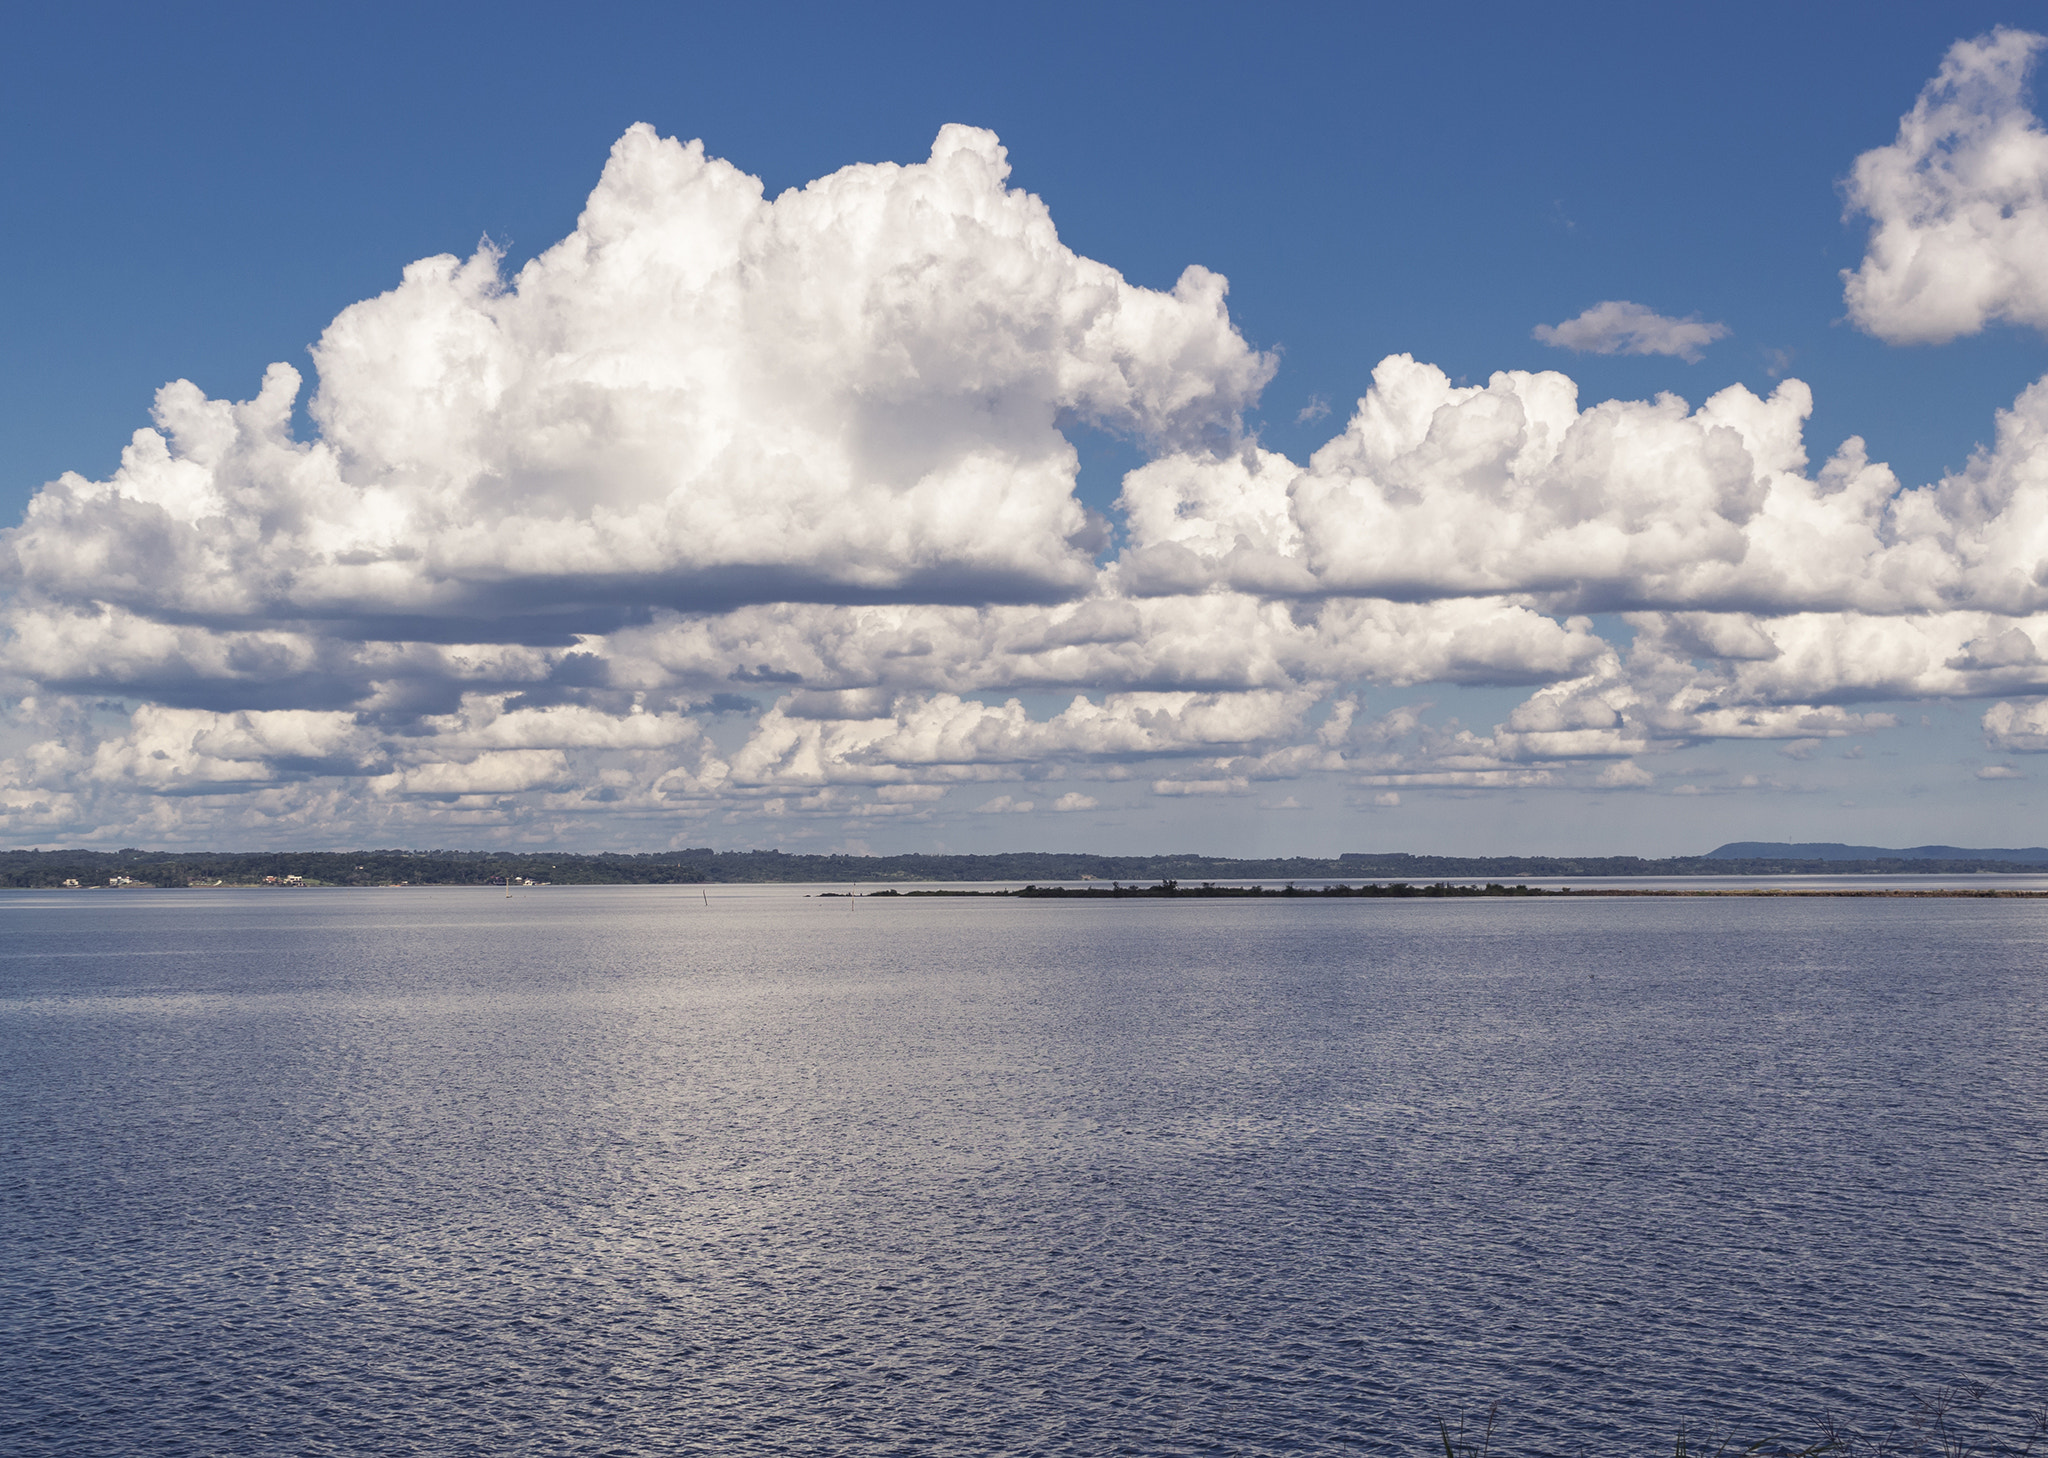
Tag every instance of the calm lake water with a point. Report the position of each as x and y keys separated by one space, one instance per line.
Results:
x=617 y=1171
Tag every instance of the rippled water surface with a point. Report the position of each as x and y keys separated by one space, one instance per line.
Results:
x=619 y=1171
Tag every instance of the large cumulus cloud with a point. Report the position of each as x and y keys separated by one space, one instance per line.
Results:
x=701 y=397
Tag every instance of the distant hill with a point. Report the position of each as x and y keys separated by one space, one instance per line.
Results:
x=1779 y=850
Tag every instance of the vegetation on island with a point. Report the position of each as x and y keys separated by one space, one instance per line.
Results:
x=1116 y=890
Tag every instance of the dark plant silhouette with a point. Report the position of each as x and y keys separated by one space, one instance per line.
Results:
x=1458 y=1447
x=1938 y=1426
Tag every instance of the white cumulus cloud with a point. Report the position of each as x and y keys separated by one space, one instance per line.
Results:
x=1510 y=489
x=701 y=397
x=1958 y=204
x=1004 y=805
x=2017 y=728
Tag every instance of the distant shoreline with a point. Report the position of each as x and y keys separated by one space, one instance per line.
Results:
x=51 y=869
x=1398 y=891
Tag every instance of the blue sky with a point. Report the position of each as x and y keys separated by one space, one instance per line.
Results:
x=197 y=197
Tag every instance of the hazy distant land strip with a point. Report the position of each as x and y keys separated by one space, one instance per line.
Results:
x=1408 y=890
x=39 y=869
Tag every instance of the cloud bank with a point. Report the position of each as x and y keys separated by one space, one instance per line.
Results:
x=732 y=518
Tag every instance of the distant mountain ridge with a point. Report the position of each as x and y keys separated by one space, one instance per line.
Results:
x=1828 y=850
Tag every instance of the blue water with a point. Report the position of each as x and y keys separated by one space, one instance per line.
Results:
x=617 y=1171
